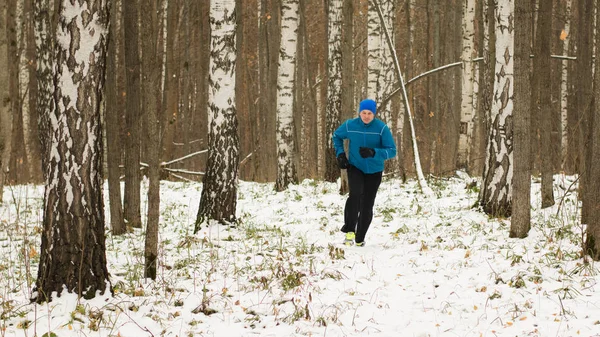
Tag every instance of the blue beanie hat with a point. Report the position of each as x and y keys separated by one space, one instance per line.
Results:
x=368 y=104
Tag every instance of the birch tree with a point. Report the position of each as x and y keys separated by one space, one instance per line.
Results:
x=496 y=191
x=286 y=149
x=387 y=74
x=521 y=181
x=334 y=85
x=72 y=254
x=468 y=93
x=219 y=191
x=565 y=36
x=374 y=53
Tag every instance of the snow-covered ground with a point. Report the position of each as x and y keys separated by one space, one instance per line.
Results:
x=431 y=267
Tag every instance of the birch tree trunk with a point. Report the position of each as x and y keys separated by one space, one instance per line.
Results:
x=131 y=205
x=592 y=201
x=496 y=191
x=334 y=85
x=72 y=254
x=467 y=112
x=286 y=148
x=521 y=209
x=564 y=129
x=387 y=74
x=374 y=54
x=4 y=92
x=219 y=191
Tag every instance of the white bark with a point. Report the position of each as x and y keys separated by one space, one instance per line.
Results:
x=467 y=112
x=374 y=52
x=219 y=194
x=23 y=20
x=388 y=76
x=334 y=67
x=286 y=166
x=563 y=88
x=497 y=186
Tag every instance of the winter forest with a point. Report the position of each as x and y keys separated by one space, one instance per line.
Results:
x=167 y=167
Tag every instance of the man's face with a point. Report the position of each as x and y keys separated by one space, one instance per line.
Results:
x=366 y=116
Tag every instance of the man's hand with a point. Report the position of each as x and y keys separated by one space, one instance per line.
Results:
x=366 y=152
x=343 y=161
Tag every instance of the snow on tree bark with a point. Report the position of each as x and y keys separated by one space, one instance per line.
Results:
x=496 y=191
x=334 y=85
x=219 y=193
x=286 y=165
x=73 y=242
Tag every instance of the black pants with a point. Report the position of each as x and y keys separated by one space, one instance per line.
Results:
x=359 y=206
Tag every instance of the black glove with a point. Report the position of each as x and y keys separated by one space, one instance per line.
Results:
x=367 y=152
x=343 y=161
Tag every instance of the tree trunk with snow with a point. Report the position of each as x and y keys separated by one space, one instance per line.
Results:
x=131 y=204
x=496 y=190
x=219 y=191
x=334 y=85
x=467 y=112
x=72 y=255
x=286 y=149
x=521 y=208
x=591 y=203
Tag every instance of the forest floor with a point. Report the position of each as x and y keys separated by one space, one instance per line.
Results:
x=432 y=266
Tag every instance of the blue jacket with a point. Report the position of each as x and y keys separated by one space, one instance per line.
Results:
x=375 y=135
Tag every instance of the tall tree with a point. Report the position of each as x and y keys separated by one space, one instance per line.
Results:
x=219 y=191
x=375 y=53
x=286 y=143
x=591 y=203
x=544 y=106
x=151 y=25
x=113 y=112
x=73 y=243
x=4 y=91
x=496 y=191
x=584 y=95
x=468 y=94
x=565 y=36
x=132 y=115
x=521 y=181
x=334 y=85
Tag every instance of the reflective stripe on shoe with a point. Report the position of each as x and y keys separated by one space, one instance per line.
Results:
x=360 y=244
x=349 y=240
